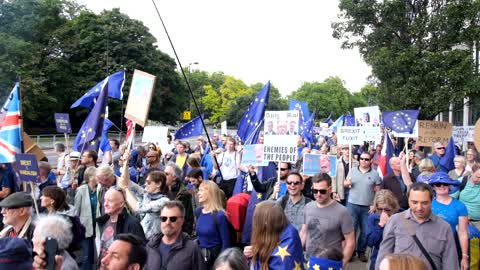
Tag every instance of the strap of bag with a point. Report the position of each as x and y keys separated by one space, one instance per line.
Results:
x=411 y=232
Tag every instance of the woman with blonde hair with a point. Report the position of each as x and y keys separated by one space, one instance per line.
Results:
x=273 y=237
x=426 y=170
x=386 y=205
x=402 y=262
x=212 y=226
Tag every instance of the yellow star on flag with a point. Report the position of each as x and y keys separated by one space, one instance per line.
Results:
x=282 y=252
x=297 y=266
x=92 y=143
x=259 y=196
x=316 y=267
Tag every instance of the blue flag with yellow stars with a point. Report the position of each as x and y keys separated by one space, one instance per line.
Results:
x=114 y=83
x=316 y=263
x=401 y=121
x=250 y=124
x=288 y=255
x=190 y=129
x=90 y=133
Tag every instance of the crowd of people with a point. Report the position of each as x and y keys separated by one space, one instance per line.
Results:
x=199 y=207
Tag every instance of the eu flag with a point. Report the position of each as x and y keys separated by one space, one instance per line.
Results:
x=114 y=83
x=250 y=124
x=338 y=123
x=401 y=121
x=447 y=160
x=90 y=133
x=308 y=130
x=190 y=129
x=349 y=120
x=10 y=136
x=304 y=113
x=105 y=143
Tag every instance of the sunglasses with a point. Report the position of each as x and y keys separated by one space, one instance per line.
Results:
x=440 y=148
x=172 y=219
x=322 y=191
x=440 y=184
x=388 y=210
x=366 y=159
x=293 y=183
x=283 y=169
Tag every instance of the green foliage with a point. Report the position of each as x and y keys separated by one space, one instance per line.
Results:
x=420 y=51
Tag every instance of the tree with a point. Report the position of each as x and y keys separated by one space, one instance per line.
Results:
x=420 y=51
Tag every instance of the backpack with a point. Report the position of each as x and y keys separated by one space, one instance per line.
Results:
x=231 y=230
x=284 y=200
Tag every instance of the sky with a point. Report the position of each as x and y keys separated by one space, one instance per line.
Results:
x=286 y=42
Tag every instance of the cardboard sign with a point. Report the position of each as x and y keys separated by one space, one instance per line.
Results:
x=350 y=135
x=414 y=133
x=463 y=134
x=430 y=132
x=62 y=121
x=313 y=164
x=27 y=167
x=253 y=155
x=367 y=116
x=223 y=128
x=140 y=97
x=280 y=136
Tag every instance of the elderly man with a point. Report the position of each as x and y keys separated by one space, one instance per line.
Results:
x=173 y=249
x=127 y=252
x=115 y=221
x=17 y=214
x=418 y=228
x=398 y=180
x=439 y=149
x=177 y=191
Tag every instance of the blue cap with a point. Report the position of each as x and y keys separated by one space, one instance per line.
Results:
x=15 y=253
x=443 y=178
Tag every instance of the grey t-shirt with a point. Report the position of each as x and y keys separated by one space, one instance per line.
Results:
x=362 y=192
x=326 y=227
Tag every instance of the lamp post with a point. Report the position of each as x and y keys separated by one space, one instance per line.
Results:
x=189 y=82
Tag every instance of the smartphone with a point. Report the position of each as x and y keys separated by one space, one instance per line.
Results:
x=51 y=249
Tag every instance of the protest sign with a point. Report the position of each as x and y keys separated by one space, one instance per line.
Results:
x=62 y=121
x=325 y=130
x=253 y=155
x=156 y=134
x=463 y=134
x=280 y=136
x=414 y=133
x=430 y=132
x=223 y=128
x=140 y=97
x=350 y=135
x=27 y=167
x=367 y=116
x=313 y=164
x=373 y=134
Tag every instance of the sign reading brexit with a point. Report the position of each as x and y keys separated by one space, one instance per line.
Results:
x=62 y=122
x=27 y=167
x=350 y=135
x=280 y=136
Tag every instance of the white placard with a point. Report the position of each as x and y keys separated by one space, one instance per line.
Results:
x=350 y=135
x=463 y=134
x=223 y=128
x=158 y=135
x=280 y=136
x=367 y=116
x=373 y=134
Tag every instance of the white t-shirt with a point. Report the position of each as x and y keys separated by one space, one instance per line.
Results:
x=228 y=165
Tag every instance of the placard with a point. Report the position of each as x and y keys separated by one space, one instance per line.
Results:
x=27 y=167
x=430 y=132
x=350 y=135
x=140 y=97
x=313 y=164
x=253 y=155
x=62 y=122
x=156 y=134
x=223 y=128
x=463 y=134
x=414 y=133
x=373 y=134
x=367 y=116
x=280 y=136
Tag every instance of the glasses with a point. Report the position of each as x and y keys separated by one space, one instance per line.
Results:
x=440 y=184
x=296 y=183
x=440 y=148
x=172 y=219
x=283 y=169
x=365 y=159
x=322 y=191
x=388 y=210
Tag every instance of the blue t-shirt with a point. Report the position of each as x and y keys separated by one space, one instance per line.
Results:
x=210 y=235
x=451 y=212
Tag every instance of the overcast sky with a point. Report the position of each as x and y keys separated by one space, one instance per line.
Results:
x=287 y=42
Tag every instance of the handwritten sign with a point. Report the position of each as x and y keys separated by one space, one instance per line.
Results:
x=27 y=167
x=430 y=132
x=62 y=121
x=463 y=134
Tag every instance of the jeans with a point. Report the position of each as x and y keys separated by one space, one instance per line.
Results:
x=88 y=250
x=359 y=215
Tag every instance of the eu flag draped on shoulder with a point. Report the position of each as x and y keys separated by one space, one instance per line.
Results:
x=250 y=124
x=190 y=129
x=10 y=129
x=114 y=84
x=304 y=113
x=90 y=133
x=401 y=121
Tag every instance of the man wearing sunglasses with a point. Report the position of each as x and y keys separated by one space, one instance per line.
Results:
x=172 y=249
x=327 y=223
x=439 y=152
x=293 y=203
x=271 y=187
x=363 y=183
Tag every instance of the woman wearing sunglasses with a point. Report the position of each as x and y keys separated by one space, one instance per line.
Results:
x=386 y=205
x=212 y=226
x=452 y=211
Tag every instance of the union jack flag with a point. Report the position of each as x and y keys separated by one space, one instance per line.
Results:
x=10 y=129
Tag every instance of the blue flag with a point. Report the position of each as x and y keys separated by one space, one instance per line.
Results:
x=401 y=121
x=329 y=120
x=304 y=113
x=190 y=129
x=105 y=143
x=10 y=129
x=315 y=263
x=349 y=120
x=90 y=133
x=338 y=123
x=114 y=83
x=250 y=124
x=447 y=160
x=308 y=130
